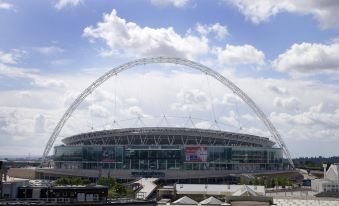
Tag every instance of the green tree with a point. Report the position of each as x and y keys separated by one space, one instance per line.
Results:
x=110 y=182
x=250 y=182
x=261 y=181
x=268 y=183
x=71 y=181
x=243 y=181
x=256 y=181
x=120 y=189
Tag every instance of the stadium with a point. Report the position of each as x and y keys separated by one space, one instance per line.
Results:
x=169 y=153
x=164 y=151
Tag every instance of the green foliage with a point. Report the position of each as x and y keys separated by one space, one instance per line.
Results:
x=120 y=188
x=243 y=181
x=267 y=182
x=71 y=181
x=258 y=181
x=110 y=182
x=115 y=189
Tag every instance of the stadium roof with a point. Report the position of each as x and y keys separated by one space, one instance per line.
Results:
x=167 y=136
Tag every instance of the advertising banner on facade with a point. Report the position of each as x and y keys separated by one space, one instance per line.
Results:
x=108 y=155
x=196 y=154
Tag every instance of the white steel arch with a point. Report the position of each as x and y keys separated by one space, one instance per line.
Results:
x=172 y=60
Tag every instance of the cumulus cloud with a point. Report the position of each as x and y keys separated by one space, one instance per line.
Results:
x=203 y=125
x=231 y=99
x=219 y=30
x=131 y=100
x=308 y=58
x=32 y=75
x=136 y=111
x=40 y=124
x=325 y=12
x=312 y=120
x=231 y=119
x=16 y=124
x=48 y=82
x=191 y=100
x=61 y=4
x=97 y=110
x=245 y=54
x=277 y=89
x=175 y=3
x=129 y=38
x=287 y=103
x=5 y=5
x=11 y=57
x=311 y=124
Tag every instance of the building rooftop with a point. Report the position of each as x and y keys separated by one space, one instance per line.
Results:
x=167 y=136
x=211 y=189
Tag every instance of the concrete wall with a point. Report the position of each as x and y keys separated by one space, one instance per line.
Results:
x=24 y=173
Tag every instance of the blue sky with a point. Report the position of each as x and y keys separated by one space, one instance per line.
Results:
x=283 y=54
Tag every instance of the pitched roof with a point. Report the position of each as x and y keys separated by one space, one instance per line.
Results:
x=244 y=191
x=211 y=201
x=185 y=200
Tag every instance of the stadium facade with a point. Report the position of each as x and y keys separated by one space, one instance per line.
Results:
x=167 y=152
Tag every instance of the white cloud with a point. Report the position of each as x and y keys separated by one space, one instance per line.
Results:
x=61 y=62
x=308 y=58
x=64 y=3
x=40 y=124
x=315 y=123
x=231 y=99
x=154 y=93
x=97 y=110
x=48 y=82
x=245 y=54
x=231 y=119
x=136 y=111
x=325 y=12
x=131 y=100
x=11 y=57
x=6 y=5
x=287 y=103
x=16 y=125
x=219 y=30
x=176 y=3
x=32 y=75
x=203 y=125
x=49 y=50
x=191 y=100
x=129 y=38
x=277 y=89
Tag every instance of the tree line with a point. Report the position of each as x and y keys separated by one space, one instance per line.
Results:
x=268 y=183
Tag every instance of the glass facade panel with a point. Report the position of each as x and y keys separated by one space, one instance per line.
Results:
x=168 y=157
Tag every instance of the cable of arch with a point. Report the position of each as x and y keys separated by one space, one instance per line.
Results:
x=171 y=60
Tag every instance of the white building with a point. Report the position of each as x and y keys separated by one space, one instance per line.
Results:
x=220 y=190
x=330 y=183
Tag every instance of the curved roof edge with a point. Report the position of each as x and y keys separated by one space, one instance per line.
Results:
x=264 y=141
